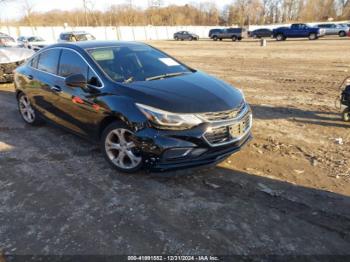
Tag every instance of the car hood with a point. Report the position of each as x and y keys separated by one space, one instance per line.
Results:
x=14 y=54
x=189 y=93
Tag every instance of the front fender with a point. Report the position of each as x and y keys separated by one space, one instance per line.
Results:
x=122 y=108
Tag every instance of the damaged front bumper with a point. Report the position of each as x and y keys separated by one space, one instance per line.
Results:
x=164 y=150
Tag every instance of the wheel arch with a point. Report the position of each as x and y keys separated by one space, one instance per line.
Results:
x=106 y=122
x=120 y=109
x=18 y=92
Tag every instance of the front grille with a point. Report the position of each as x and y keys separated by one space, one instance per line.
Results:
x=223 y=115
x=226 y=134
x=218 y=135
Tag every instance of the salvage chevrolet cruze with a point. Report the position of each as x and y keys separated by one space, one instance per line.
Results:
x=144 y=107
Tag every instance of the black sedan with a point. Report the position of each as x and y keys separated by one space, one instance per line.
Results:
x=185 y=35
x=259 y=33
x=145 y=108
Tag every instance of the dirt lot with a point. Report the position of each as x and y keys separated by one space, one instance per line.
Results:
x=286 y=193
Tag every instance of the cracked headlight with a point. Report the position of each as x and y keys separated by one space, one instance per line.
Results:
x=166 y=120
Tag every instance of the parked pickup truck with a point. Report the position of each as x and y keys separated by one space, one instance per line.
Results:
x=297 y=31
x=228 y=33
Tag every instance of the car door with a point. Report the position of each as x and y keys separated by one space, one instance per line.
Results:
x=334 y=29
x=294 y=31
x=44 y=81
x=266 y=33
x=327 y=28
x=303 y=31
x=77 y=109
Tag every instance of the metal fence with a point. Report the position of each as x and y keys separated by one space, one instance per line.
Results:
x=127 y=33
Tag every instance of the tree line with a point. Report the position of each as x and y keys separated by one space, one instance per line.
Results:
x=240 y=12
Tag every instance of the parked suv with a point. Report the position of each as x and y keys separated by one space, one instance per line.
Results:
x=228 y=33
x=75 y=36
x=334 y=29
x=144 y=107
x=185 y=35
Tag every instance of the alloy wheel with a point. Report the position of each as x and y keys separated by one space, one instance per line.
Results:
x=121 y=150
x=26 y=109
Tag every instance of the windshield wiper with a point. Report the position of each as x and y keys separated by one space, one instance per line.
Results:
x=164 y=76
x=129 y=80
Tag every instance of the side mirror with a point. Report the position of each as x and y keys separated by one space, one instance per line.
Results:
x=77 y=80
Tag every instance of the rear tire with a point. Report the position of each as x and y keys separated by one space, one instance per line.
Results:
x=234 y=38
x=280 y=37
x=176 y=38
x=342 y=34
x=119 y=149
x=27 y=112
x=312 y=36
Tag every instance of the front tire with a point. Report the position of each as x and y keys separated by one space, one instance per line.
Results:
x=27 y=112
x=234 y=38
x=119 y=148
x=346 y=115
x=215 y=38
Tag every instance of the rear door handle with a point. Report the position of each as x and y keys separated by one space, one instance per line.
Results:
x=56 y=88
x=30 y=77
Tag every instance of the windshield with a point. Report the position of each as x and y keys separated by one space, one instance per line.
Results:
x=84 y=37
x=6 y=41
x=35 y=39
x=136 y=63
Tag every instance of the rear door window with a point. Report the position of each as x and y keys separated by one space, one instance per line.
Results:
x=48 y=61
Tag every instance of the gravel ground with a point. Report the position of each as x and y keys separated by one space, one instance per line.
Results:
x=286 y=193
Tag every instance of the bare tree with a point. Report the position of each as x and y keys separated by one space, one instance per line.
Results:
x=85 y=6
x=240 y=12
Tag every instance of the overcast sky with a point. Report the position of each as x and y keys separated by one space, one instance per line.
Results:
x=14 y=9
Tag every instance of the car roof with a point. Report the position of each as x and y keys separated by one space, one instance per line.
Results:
x=75 y=33
x=29 y=36
x=97 y=44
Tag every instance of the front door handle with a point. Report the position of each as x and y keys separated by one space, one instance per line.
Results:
x=56 y=88
x=30 y=77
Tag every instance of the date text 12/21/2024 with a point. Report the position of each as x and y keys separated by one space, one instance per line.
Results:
x=174 y=258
